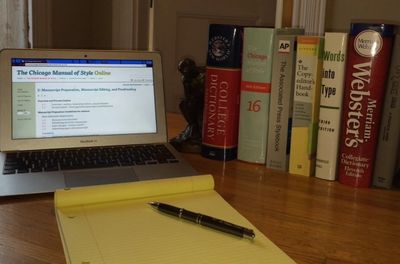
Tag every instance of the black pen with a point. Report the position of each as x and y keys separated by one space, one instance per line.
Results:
x=204 y=220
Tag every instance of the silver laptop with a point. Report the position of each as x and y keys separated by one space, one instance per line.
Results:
x=73 y=118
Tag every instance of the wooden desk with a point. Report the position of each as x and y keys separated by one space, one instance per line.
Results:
x=312 y=220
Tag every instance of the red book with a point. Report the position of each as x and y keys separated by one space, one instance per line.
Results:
x=369 y=53
x=222 y=90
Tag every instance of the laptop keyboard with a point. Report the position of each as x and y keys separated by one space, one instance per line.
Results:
x=72 y=159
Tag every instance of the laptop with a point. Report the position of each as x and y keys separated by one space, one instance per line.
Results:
x=72 y=118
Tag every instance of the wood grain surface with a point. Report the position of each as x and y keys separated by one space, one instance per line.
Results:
x=312 y=220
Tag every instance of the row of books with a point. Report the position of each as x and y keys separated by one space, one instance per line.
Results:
x=308 y=105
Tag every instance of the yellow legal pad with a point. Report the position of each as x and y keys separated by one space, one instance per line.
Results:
x=115 y=224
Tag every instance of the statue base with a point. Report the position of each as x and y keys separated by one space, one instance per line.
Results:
x=188 y=146
x=187 y=141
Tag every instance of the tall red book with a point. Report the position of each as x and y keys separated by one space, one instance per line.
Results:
x=221 y=92
x=369 y=53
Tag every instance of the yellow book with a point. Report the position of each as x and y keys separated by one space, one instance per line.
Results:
x=115 y=224
x=306 y=105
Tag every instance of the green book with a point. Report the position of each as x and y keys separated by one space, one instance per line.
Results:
x=255 y=93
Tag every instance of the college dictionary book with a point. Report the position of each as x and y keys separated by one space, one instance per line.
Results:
x=369 y=54
x=221 y=92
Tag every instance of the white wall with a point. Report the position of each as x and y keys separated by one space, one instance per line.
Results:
x=339 y=13
x=73 y=24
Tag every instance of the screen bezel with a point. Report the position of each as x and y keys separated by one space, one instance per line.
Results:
x=9 y=144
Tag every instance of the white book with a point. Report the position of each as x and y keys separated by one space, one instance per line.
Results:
x=330 y=112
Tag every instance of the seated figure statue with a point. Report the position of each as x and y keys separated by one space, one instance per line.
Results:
x=191 y=107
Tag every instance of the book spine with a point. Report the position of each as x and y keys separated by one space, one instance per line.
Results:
x=389 y=132
x=330 y=109
x=306 y=105
x=221 y=95
x=396 y=177
x=281 y=105
x=369 y=52
x=255 y=92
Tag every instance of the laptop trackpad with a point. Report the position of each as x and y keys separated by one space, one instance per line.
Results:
x=99 y=176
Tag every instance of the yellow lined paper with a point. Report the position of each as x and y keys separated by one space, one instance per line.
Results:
x=125 y=229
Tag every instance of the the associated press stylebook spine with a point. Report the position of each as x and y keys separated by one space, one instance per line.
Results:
x=222 y=90
x=306 y=105
x=281 y=101
x=330 y=109
x=369 y=52
x=389 y=132
x=255 y=93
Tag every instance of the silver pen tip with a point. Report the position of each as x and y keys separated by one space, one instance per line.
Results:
x=154 y=204
x=249 y=234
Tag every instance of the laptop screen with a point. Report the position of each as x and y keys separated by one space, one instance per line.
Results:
x=81 y=97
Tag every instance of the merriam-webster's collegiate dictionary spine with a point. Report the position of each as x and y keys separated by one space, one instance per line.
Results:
x=255 y=93
x=281 y=102
x=389 y=132
x=221 y=92
x=306 y=105
x=369 y=53
x=330 y=108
